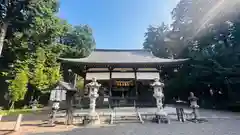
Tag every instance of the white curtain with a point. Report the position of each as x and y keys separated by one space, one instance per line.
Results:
x=147 y=75
x=98 y=76
x=127 y=75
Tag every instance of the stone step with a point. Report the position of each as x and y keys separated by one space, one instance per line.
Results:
x=126 y=121
x=126 y=118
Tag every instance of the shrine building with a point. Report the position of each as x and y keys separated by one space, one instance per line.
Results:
x=125 y=75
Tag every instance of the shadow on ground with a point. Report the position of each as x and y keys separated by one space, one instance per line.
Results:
x=213 y=127
x=27 y=117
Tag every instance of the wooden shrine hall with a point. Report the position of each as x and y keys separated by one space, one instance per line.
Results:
x=125 y=75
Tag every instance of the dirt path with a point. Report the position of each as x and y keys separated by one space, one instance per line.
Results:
x=31 y=127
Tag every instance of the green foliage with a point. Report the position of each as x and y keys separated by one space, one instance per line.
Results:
x=213 y=48
x=80 y=83
x=34 y=37
x=158 y=40
x=79 y=41
x=45 y=73
x=155 y=40
x=39 y=78
x=14 y=9
x=18 y=85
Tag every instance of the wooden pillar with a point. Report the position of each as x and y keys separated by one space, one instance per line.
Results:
x=136 y=88
x=110 y=87
x=85 y=71
x=135 y=82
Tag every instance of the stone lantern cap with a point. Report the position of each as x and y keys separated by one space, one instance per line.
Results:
x=94 y=83
x=157 y=83
x=192 y=97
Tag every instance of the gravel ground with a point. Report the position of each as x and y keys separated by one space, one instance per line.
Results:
x=220 y=123
x=213 y=127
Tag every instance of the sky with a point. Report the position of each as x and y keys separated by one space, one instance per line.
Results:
x=117 y=24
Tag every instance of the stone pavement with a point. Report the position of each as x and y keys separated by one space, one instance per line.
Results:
x=213 y=127
x=220 y=123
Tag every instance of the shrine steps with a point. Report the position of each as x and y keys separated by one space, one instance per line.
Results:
x=125 y=115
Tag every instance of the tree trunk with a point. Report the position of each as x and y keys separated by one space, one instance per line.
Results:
x=12 y=105
x=3 y=31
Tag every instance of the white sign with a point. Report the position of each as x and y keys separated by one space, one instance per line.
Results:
x=105 y=99
x=58 y=95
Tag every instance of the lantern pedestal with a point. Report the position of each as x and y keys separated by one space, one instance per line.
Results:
x=92 y=119
x=55 y=108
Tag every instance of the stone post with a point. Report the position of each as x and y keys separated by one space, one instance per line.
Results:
x=18 y=122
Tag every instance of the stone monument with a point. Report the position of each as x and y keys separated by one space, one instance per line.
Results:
x=93 y=88
x=161 y=115
x=34 y=104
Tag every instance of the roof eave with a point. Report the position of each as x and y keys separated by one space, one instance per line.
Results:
x=86 y=62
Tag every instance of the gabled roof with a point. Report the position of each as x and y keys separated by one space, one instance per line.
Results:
x=66 y=86
x=140 y=56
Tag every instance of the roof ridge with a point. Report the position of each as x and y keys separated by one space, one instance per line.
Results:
x=121 y=50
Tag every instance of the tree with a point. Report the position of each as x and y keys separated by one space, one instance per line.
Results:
x=155 y=41
x=18 y=85
x=215 y=49
x=13 y=11
x=40 y=38
x=46 y=71
x=163 y=42
x=208 y=34
x=79 y=41
x=39 y=79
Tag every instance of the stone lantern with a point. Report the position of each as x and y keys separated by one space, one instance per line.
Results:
x=158 y=95
x=93 y=95
x=193 y=104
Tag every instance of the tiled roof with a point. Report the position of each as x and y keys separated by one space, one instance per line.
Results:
x=121 y=56
x=67 y=86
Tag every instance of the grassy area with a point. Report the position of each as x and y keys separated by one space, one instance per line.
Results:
x=18 y=111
